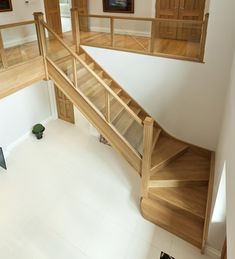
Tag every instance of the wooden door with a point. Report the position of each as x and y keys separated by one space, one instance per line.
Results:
x=64 y=107
x=52 y=10
x=167 y=9
x=190 y=10
x=82 y=6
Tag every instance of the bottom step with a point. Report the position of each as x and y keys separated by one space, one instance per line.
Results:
x=183 y=226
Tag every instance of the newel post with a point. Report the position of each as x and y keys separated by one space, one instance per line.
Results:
x=75 y=28
x=38 y=17
x=3 y=53
x=203 y=37
x=147 y=154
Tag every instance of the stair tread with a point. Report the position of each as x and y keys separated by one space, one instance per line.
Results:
x=190 y=199
x=188 y=167
x=165 y=149
x=173 y=221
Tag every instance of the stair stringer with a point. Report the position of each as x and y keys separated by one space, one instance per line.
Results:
x=94 y=117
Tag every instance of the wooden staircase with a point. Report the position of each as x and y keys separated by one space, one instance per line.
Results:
x=177 y=177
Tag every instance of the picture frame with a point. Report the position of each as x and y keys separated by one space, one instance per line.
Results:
x=118 y=6
x=5 y=6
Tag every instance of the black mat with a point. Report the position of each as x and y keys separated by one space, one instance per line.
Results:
x=165 y=256
x=2 y=160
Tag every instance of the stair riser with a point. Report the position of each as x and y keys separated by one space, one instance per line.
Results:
x=174 y=183
x=179 y=224
x=167 y=162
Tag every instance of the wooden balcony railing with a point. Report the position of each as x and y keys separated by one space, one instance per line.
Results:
x=180 y=39
x=8 y=55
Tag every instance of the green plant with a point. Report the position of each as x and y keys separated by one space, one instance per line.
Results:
x=38 y=130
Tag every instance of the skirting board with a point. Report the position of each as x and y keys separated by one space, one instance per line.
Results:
x=20 y=41
x=213 y=252
x=121 y=31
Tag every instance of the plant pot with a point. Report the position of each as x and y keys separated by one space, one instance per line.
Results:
x=39 y=135
x=38 y=130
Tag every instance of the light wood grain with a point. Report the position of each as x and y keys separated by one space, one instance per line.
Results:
x=203 y=37
x=189 y=169
x=18 y=77
x=173 y=221
x=147 y=153
x=209 y=203
x=188 y=200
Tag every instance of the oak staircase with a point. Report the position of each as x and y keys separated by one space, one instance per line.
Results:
x=177 y=177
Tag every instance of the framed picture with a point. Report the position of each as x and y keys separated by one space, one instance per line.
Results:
x=5 y=5
x=118 y=6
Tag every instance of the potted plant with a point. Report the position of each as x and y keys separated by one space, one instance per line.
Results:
x=38 y=130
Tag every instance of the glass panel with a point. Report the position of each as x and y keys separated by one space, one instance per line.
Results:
x=97 y=32
x=55 y=50
x=178 y=38
x=91 y=88
x=20 y=43
x=126 y=125
x=132 y=34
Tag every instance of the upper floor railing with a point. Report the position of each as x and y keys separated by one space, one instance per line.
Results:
x=180 y=39
x=18 y=43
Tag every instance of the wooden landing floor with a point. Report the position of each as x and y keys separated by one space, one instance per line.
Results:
x=175 y=48
x=27 y=51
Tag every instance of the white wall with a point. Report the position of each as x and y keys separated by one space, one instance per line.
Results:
x=96 y=7
x=21 y=12
x=186 y=98
x=21 y=110
x=225 y=154
x=133 y=27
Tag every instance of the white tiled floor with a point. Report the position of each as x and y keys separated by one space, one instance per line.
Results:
x=70 y=197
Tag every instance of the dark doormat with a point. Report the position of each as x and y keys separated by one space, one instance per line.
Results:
x=165 y=256
x=2 y=160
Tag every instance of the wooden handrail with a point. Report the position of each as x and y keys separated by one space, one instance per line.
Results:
x=16 y=24
x=127 y=108
x=147 y=155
